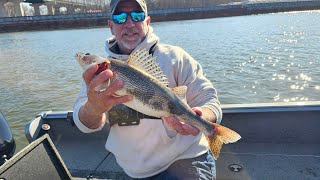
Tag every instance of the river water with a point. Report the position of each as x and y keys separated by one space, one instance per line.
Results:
x=249 y=59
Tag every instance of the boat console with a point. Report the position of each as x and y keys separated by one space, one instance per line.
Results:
x=7 y=143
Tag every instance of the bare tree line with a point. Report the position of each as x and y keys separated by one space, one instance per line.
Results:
x=162 y=4
x=11 y=8
x=168 y=4
x=90 y=2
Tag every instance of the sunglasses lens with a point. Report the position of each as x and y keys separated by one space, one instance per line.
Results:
x=122 y=17
x=137 y=16
x=119 y=18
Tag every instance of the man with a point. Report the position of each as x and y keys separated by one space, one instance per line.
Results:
x=155 y=148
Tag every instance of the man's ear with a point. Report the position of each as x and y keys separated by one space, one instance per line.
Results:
x=110 y=25
x=148 y=20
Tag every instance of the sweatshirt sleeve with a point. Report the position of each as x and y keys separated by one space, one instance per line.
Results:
x=201 y=92
x=81 y=99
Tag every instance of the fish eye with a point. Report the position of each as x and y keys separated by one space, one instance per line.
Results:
x=87 y=54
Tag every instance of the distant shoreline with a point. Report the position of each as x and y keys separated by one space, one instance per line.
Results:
x=72 y=21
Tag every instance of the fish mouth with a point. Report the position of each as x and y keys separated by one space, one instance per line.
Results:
x=101 y=67
x=79 y=55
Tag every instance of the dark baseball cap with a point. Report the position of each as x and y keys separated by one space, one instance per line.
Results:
x=142 y=3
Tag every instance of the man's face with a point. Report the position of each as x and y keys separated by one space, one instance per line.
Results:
x=129 y=34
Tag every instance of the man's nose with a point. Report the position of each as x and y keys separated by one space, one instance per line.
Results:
x=129 y=23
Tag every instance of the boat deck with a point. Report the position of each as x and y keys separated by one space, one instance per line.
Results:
x=277 y=143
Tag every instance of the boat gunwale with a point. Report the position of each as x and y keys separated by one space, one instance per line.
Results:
x=271 y=107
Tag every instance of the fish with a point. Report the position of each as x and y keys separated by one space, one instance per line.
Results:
x=147 y=84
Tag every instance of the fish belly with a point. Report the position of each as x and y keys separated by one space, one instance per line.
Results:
x=145 y=109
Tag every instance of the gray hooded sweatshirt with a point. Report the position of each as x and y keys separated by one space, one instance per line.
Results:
x=149 y=148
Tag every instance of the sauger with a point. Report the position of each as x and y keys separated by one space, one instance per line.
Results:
x=147 y=84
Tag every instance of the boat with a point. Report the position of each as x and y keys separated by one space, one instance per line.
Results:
x=279 y=141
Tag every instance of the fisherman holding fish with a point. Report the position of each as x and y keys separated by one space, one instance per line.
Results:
x=164 y=114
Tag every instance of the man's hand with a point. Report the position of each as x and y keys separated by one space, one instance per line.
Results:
x=181 y=127
x=92 y=113
x=102 y=101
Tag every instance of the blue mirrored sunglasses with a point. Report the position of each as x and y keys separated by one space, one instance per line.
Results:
x=120 y=18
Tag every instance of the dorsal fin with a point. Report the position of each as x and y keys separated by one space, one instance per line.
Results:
x=181 y=91
x=143 y=61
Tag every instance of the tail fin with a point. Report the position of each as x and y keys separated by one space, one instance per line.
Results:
x=222 y=135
